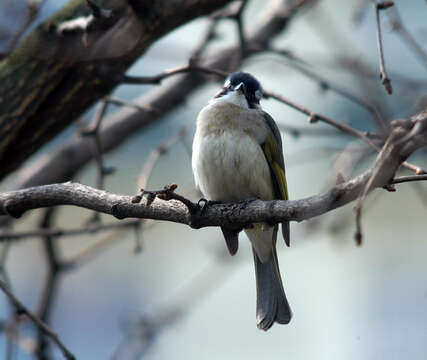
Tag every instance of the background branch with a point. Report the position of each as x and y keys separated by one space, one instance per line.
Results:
x=20 y=308
x=383 y=73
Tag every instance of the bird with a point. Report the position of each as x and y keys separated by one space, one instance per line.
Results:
x=236 y=156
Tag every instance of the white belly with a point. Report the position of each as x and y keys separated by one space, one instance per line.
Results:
x=231 y=166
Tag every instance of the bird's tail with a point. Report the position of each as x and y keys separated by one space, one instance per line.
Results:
x=272 y=305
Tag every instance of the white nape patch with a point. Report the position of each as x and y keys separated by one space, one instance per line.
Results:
x=233 y=97
x=79 y=24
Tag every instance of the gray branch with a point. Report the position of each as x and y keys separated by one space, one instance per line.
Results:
x=406 y=137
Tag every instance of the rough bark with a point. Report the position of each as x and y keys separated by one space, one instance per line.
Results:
x=50 y=79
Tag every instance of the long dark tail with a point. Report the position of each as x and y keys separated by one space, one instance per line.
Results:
x=272 y=305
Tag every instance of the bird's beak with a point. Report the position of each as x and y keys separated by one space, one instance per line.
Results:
x=240 y=87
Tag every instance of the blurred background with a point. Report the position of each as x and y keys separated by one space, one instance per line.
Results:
x=183 y=296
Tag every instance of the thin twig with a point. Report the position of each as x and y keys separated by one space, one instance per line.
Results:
x=21 y=309
x=325 y=85
x=358 y=235
x=313 y=117
x=233 y=12
x=236 y=14
x=410 y=178
x=209 y=35
x=147 y=171
x=240 y=28
x=9 y=329
x=51 y=284
x=364 y=136
x=120 y=102
x=157 y=79
x=94 y=132
x=360 y=68
x=297 y=131
x=153 y=158
x=92 y=229
x=383 y=74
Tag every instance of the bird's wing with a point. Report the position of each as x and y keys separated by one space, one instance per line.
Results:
x=272 y=148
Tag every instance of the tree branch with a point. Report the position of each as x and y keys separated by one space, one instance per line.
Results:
x=383 y=73
x=406 y=137
x=54 y=232
x=313 y=117
x=20 y=308
x=52 y=78
x=402 y=179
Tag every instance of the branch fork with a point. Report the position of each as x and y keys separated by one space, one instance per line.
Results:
x=168 y=193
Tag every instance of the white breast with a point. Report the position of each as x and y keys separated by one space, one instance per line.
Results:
x=229 y=164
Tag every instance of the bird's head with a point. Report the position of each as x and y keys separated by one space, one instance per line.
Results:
x=241 y=89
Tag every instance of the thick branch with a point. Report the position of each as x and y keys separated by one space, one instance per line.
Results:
x=53 y=77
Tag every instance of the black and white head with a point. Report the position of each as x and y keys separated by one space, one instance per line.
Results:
x=241 y=89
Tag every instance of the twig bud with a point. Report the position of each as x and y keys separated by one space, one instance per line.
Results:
x=385 y=5
x=312 y=118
